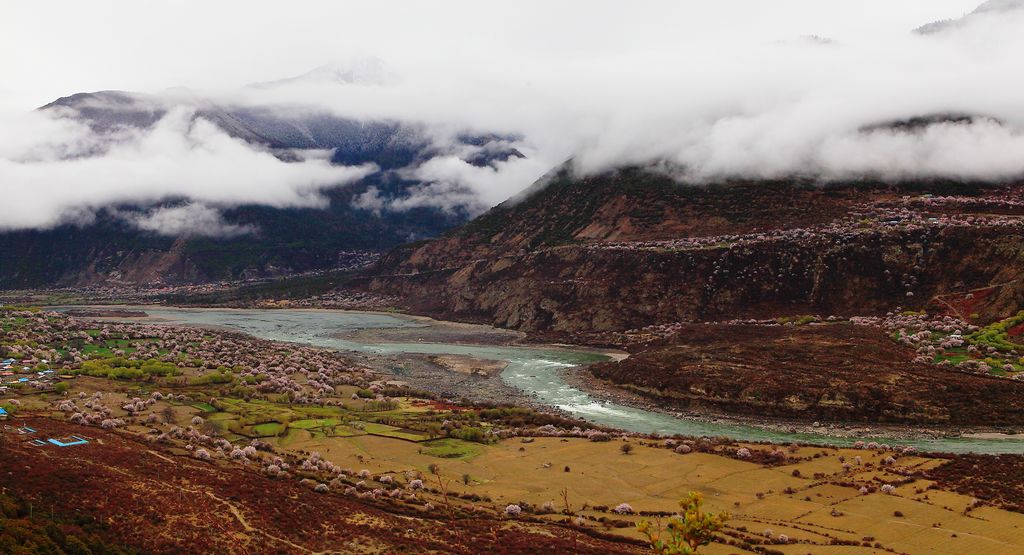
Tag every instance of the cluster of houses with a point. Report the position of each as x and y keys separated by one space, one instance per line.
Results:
x=14 y=372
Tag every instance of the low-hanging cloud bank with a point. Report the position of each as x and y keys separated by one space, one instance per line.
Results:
x=189 y=220
x=716 y=90
x=739 y=105
x=57 y=170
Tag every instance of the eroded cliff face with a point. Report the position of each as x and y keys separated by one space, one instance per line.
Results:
x=576 y=288
x=633 y=249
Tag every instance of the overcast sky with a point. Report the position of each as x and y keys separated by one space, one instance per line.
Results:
x=755 y=88
x=57 y=47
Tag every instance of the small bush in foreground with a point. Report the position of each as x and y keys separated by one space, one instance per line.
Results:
x=687 y=533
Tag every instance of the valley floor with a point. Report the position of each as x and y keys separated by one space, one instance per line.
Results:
x=199 y=439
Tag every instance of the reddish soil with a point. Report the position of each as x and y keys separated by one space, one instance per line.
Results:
x=962 y=305
x=837 y=372
x=998 y=479
x=1016 y=331
x=153 y=500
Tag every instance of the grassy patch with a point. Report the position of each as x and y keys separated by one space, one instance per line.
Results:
x=451 y=449
x=384 y=430
x=95 y=350
x=342 y=431
x=319 y=411
x=997 y=335
x=267 y=429
x=205 y=407
x=311 y=423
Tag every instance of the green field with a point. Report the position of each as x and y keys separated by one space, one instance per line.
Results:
x=385 y=430
x=452 y=449
x=267 y=429
x=311 y=423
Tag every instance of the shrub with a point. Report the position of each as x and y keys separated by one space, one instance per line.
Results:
x=476 y=435
x=382 y=405
x=686 y=533
x=220 y=376
x=117 y=368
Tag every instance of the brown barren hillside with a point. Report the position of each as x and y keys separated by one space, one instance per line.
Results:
x=633 y=248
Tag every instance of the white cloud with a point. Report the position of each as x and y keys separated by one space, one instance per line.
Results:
x=450 y=184
x=721 y=88
x=983 y=150
x=489 y=184
x=180 y=157
x=371 y=200
x=722 y=96
x=188 y=220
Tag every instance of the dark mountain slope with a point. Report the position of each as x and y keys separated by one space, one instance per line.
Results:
x=112 y=251
x=633 y=248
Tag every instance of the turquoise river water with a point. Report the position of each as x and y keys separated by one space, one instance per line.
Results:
x=535 y=370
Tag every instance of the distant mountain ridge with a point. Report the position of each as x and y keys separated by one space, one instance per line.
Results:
x=389 y=144
x=286 y=240
x=988 y=7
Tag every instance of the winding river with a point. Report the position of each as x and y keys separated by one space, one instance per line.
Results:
x=537 y=371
